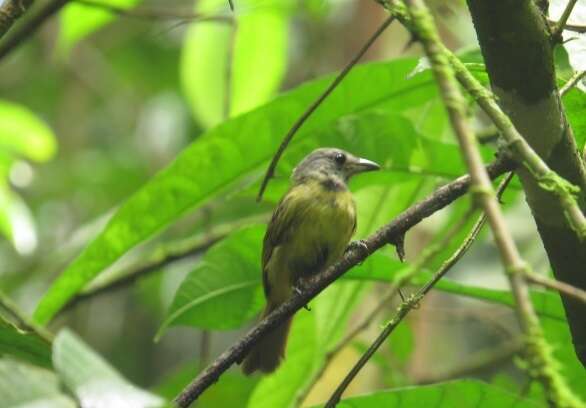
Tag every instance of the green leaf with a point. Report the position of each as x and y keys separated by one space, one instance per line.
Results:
x=261 y=35
x=224 y=157
x=23 y=345
x=80 y=20
x=23 y=133
x=216 y=86
x=92 y=380
x=454 y=394
x=224 y=290
x=575 y=106
x=24 y=386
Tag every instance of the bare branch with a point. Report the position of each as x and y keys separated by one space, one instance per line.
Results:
x=398 y=227
x=309 y=111
x=569 y=27
x=555 y=284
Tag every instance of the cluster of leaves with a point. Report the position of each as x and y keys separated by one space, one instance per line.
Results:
x=398 y=121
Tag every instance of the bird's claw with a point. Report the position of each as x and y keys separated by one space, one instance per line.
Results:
x=298 y=289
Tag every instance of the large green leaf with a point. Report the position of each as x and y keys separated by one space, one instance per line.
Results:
x=230 y=153
x=24 y=345
x=24 y=386
x=22 y=133
x=93 y=381
x=80 y=20
x=219 y=66
x=454 y=394
x=224 y=290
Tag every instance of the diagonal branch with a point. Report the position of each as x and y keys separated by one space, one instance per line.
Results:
x=31 y=26
x=386 y=234
x=10 y=11
x=411 y=303
x=561 y=24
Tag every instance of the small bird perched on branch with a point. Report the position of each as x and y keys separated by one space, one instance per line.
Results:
x=309 y=230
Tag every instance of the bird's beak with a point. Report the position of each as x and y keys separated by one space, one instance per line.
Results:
x=361 y=165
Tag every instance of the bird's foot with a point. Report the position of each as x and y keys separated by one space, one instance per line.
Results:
x=358 y=245
x=299 y=288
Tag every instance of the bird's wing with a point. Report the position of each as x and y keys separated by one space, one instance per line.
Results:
x=281 y=226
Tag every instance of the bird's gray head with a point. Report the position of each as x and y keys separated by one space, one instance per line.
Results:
x=331 y=163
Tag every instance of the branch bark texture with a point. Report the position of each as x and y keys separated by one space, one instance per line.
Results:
x=10 y=11
x=517 y=48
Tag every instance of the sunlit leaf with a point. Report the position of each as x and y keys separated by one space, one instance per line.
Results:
x=219 y=68
x=22 y=133
x=25 y=386
x=80 y=20
x=224 y=157
x=92 y=380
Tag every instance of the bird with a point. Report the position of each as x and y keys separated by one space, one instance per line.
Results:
x=309 y=230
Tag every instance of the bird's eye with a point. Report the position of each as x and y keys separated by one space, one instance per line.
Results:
x=340 y=158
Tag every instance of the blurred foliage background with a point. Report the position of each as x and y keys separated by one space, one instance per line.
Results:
x=100 y=100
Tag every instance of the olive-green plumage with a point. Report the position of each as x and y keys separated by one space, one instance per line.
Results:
x=309 y=230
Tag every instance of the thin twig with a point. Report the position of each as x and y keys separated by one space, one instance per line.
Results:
x=569 y=27
x=475 y=363
x=560 y=286
x=572 y=82
x=442 y=197
x=309 y=111
x=31 y=26
x=156 y=13
x=412 y=302
x=542 y=365
x=559 y=28
x=401 y=280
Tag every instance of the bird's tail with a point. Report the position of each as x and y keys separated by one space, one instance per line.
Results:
x=266 y=355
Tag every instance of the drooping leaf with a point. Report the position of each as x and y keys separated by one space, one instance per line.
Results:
x=92 y=380
x=80 y=20
x=25 y=386
x=454 y=394
x=23 y=345
x=225 y=157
